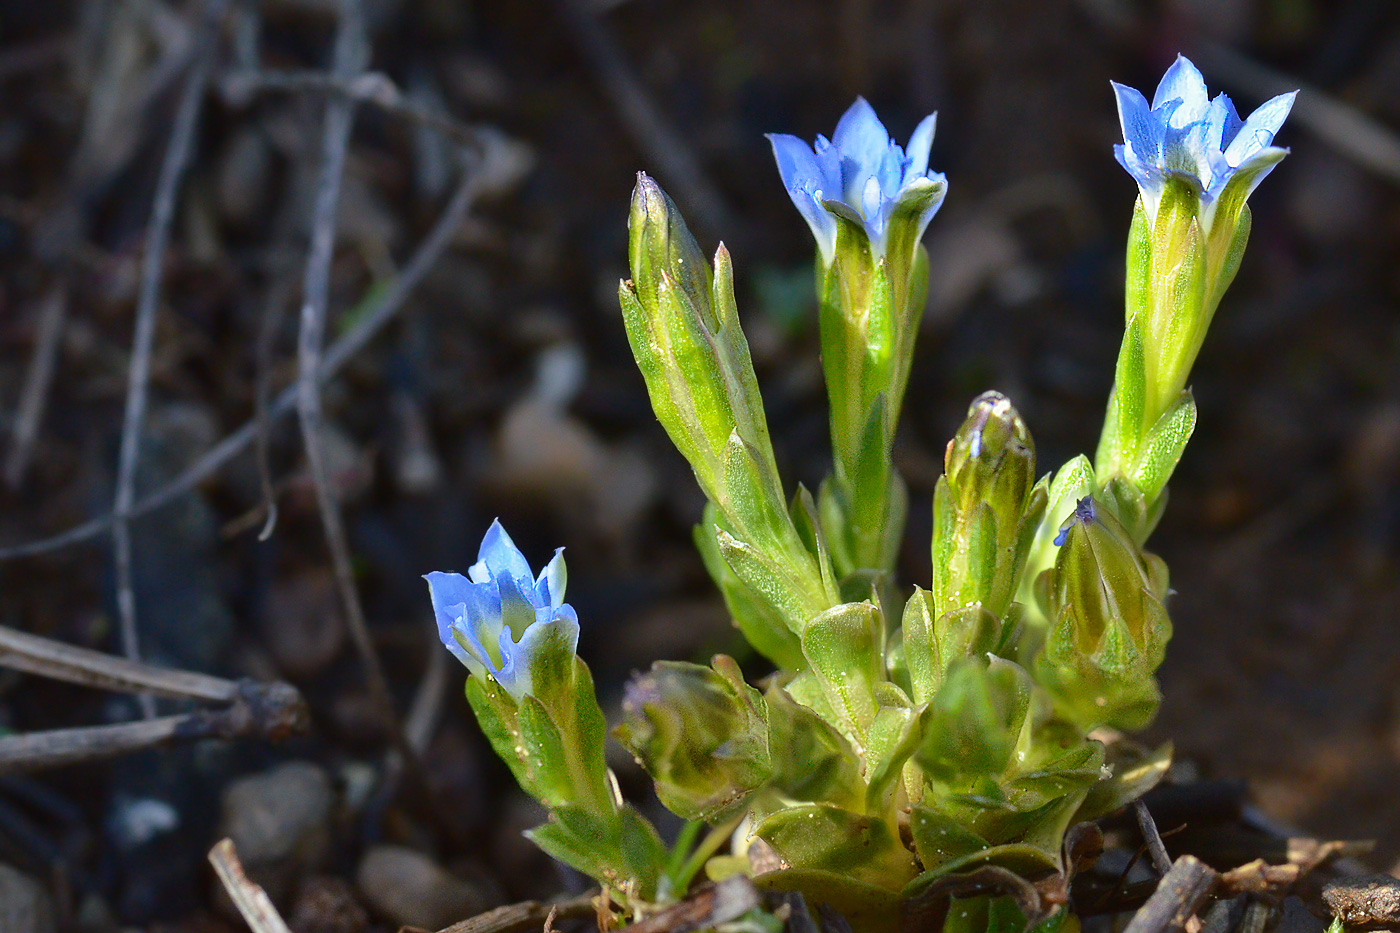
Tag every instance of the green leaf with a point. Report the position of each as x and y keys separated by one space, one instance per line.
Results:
x=921 y=654
x=939 y=839
x=895 y=733
x=845 y=647
x=868 y=908
x=827 y=838
x=812 y=761
x=773 y=581
x=1130 y=780
x=762 y=623
x=975 y=719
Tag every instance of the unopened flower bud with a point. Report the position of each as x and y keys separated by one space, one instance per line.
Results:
x=1108 y=626
x=701 y=733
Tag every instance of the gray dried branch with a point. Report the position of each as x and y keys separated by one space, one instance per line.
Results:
x=172 y=171
x=265 y=711
x=351 y=53
x=1155 y=847
x=525 y=916
x=45 y=657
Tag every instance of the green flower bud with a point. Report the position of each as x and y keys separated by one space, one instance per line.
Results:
x=1108 y=626
x=701 y=733
x=986 y=509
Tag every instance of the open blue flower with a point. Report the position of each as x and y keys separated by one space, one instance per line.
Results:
x=495 y=619
x=1186 y=135
x=862 y=175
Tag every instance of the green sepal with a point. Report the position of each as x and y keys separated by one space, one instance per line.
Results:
x=763 y=624
x=1161 y=450
x=827 y=838
x=807 y=521
x=1073 y=481
x=540 y=741
x=931 y=646
x=812 y=761
x=921 y=654
x=845 y=647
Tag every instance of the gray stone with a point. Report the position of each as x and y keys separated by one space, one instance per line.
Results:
x=280 y=823
x=410 y=889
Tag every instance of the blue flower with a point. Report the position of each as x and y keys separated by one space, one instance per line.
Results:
x=862 y=175
x=499 y=616
x=1186 y=135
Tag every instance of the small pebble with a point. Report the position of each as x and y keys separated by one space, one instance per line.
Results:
x=280 y=822
x=410 y=889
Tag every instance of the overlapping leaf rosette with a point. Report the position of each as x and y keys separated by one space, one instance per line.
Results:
x=903 y=740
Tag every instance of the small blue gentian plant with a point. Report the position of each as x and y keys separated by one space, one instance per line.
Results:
x=905 y=739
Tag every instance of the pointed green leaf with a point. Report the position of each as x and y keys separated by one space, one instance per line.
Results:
x=827 y=838
x=845 y=648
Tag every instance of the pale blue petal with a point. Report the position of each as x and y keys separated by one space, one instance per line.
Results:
x=919 y=145
x=1224 y=123
x=498 y=555
x=517 y=603
x=1183 y=82
x=1142 y=133
x=551 y=582
x=806 y=181
x=861 y=137
x=1259 y=130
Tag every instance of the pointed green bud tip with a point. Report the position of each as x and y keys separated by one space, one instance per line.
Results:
x=992 y=456
x=1085 y=513
x=660 y=245
x=701 y=733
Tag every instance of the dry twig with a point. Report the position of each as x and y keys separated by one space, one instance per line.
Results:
x=45 y=657
x=250 y=899
x=477 y=179
x=266 y=711
x=370 y=87
x=270 y=711
x=349 y=57
x=52 y=313
x=172 y=171
x=652 y=133
x=1160 y=859
x=525 y=916
x=1180 y=894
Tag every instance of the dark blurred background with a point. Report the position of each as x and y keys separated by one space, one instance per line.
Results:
x=506 y=388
